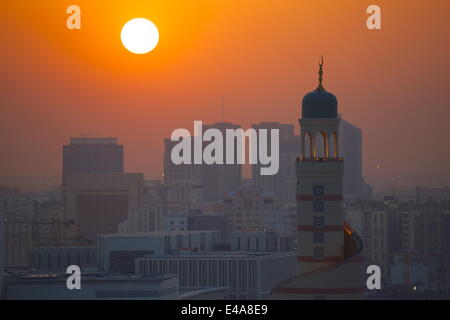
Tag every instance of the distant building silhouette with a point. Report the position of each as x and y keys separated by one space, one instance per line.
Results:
x=351 y=149
x=190 y=183
x=98 y=203
x=92 y=155
x=283 y=183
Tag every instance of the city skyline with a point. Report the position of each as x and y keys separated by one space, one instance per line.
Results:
x=59 y=84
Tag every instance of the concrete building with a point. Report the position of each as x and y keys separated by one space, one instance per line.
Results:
x=57 y=259
x=93 y=287
x=183 y=184
x=177 y=222
x=405 y=227
x=244 y=209
x=261 y=242
x=116 y=253
x=282 y=184
x=329 y=250
x=246 y=276
x=280 y=221
x=219 y=181
x=18 y=211
x=92 y=155
x=431 y=242
x=48 y=224
x=193 y=183
x=380 y=239
x=405 y=272
x=351 y=149
x=98 y=203
x=198 y=221
x=427 y=194
x=145 y=219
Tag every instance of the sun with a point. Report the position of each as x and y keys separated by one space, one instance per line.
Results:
x=139 y=36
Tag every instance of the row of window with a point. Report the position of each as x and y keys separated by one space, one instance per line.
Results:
x=318 y=222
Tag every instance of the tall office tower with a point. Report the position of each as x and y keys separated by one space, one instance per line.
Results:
x=18 y=211
x=283 y=183
x=191 y=183
x=93 y=155
x=98 y=203
x=182 y=182
x=221 y=180
x=351 y=148
x=350 y=145
x=330 y=266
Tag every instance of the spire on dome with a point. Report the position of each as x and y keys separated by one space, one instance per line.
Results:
x=320 y=87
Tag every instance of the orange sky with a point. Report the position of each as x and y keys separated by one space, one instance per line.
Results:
x=57 y=83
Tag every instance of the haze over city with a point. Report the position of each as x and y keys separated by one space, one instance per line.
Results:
x=58 y=84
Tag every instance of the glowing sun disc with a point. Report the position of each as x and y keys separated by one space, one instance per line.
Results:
x=139 y=36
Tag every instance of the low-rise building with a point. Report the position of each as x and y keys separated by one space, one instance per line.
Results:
x=93 y=287
x=116 y=253
x=246 y=275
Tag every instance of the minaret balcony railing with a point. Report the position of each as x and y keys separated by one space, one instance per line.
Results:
x=319 y=159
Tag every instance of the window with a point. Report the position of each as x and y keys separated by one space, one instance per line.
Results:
x=318 y=252
x=318 y=222
x=318 y=205
x=318 y=190
x=318 y=237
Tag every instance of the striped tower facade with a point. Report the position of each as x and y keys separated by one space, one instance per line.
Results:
x=320 y=210
x=330 y=265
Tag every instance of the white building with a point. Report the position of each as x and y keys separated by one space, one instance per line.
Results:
x=116 y=253
x=245 y=275
x=261 y=242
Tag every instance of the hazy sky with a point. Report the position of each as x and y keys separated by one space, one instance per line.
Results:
x=263 y=55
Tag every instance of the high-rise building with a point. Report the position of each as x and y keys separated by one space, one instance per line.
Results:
x=351 y=149
x=93 y=155
x=379 y=241
x=220 y=180
x=431 y=241
x=283 y=183
x=329 y=261
x=192 y=183
x=98 y=203
x=18 y=211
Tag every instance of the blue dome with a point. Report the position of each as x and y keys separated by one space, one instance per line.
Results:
x=319 y=104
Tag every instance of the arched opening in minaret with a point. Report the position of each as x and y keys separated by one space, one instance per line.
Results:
x=307 y=145
x=321 y=145
x=334 y=140
x=332 y=145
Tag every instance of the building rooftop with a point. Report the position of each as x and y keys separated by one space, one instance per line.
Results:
x=153 y=234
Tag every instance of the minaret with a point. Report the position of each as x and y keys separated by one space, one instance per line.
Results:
x=320 y=173
x=329 y=265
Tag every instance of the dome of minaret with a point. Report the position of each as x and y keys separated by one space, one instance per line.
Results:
x=319 y=103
